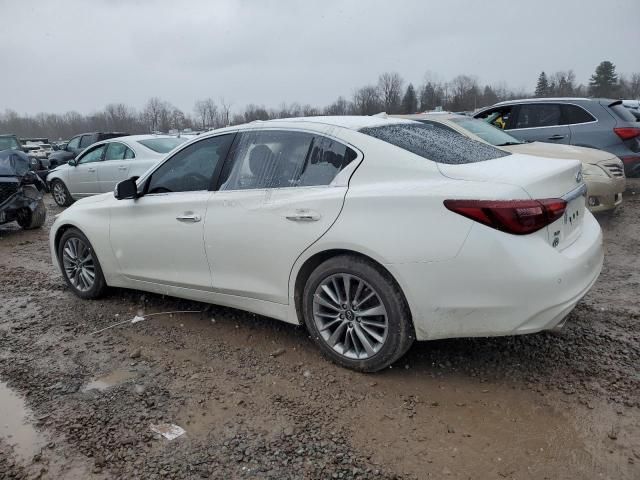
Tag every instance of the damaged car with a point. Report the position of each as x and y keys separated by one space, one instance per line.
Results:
x=21 y=191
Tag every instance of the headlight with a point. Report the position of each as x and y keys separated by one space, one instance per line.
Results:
x=593 y=171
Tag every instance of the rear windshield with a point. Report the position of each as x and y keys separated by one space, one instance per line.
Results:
x=162 y=145
x=436 y=144
x=621 y=112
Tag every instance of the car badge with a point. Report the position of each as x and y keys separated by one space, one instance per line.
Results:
x=579 y=176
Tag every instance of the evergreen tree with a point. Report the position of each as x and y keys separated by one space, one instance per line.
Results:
x=410 y=100
x=604 y=82
x=542 y=87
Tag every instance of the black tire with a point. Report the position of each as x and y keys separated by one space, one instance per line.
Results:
x=60 y=193
x=99 y=286
x=29 y=220
x=400 y=332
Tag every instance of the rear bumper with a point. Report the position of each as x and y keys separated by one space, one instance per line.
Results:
x=501 y=284
x=604 y=193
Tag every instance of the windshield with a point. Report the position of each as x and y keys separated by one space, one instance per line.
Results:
x=487 y=132
x=162 y=145
x=13 y=163
x=9 y=143
x=435 y=143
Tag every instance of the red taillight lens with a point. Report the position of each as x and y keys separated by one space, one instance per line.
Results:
x=519 y=217
x=627 y=133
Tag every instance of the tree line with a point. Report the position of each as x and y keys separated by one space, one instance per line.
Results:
x=390 y=93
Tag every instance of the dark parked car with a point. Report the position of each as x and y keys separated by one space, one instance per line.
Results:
x=586 y=122
x=11 y=142
x=78 y=144
x=20 y=191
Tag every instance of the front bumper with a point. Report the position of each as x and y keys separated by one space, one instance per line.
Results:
x=501 y=284
x=604 y=193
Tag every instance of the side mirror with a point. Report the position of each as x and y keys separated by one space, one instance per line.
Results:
x=73 y=162
x=126 y=189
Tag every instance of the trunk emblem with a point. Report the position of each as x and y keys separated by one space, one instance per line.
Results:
x=579 y=176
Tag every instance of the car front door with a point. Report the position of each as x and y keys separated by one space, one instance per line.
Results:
x=541 y=122
x=115 y=166
x=277 y=196
x=83 y=176
x=158 y=238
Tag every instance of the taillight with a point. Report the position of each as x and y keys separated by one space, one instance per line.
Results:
x=519 y=217
x=627 y=133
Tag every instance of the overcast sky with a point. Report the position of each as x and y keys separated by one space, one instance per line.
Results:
x=82 y=54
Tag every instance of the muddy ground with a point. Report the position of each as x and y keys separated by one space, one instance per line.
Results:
x=257 y=400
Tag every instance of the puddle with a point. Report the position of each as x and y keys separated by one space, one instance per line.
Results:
x=109 y=380
x=14 y=427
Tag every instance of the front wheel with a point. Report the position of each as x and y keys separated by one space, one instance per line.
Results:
x=357 y=314
x=80 y=266
x=60 y=193
x=30 y=219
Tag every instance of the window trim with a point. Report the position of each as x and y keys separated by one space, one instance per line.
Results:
x=568 y=125
x=340 y=180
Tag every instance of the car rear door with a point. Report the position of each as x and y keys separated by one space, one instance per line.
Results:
x=115 y=166
x=279 y=192
x=541 y=122
x=158 y=238
x=83 y=177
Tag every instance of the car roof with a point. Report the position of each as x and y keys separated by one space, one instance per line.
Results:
x=434 y=116
x=351 y=122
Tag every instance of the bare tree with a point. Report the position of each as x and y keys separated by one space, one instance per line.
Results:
x=464 y=93
x=390 y=87
x=366 y=101
x=339 y=107
x=225 y=112
x=200 y=111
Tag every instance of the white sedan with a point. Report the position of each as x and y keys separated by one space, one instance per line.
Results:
x=99 y=167
x=372 y=232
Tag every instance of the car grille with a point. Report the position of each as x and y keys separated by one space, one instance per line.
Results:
x=6 y=190
x=615 y=169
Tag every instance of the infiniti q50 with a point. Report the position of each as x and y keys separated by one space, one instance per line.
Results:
x=371 y=232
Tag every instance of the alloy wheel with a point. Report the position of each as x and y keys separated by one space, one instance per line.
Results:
x=59 y=195
x=350 y=316
x=79 y=264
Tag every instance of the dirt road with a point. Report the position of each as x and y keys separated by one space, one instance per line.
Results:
x=257 y=400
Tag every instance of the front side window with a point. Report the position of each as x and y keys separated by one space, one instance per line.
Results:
x=498 y=117
x=94 y=155
x=433 y=143
x=9 y=143
x=86 y=141
x=192 y=168
x=74 y=144
x=536 y=115
x=281 y=159
x=116 y=151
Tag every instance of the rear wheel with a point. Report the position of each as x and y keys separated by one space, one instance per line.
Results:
x=357 y=314
x=60 y=193
x=80 y=266
x=30 y=219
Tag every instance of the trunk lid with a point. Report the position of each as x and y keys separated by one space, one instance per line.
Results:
x=540 y=178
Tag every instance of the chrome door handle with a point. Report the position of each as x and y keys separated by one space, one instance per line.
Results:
x=188 y=217
x=556 y=137
x=303 y=216
x=122 y=168
x=91 y=169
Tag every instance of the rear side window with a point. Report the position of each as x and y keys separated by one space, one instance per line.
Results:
x=162 y=145
x=539 y=115
x=436 y=144
x=620 y=112
x=281 y=159
x=572 y=114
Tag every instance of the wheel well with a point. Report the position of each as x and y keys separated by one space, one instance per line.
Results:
x=59 y=233
x=312 y=262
